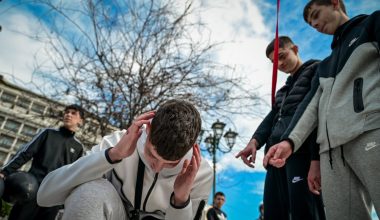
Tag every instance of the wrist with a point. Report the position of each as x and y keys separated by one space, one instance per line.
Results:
x=179 y=202
x=113 y=155
x=255 y=143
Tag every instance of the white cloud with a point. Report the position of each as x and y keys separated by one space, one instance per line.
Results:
x=240 y=25
x=18 y=50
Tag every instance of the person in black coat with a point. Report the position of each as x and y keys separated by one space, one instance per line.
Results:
x=50 y=149
x=286 y=191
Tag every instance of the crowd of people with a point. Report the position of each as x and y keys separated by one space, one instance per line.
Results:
x=321 y=141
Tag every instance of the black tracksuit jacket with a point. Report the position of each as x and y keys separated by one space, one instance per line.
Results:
x=50 y=149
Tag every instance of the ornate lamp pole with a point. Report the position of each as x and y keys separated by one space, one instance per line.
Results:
x=212 y=144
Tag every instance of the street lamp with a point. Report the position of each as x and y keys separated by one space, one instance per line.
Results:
x=212 y=144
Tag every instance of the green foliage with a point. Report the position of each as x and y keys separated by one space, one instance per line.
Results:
x=5 y=209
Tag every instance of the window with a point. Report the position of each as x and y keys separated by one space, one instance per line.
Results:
x=12 y=125
x=2 y=119
x=38 y=108
x=23 y=102
x=3 y=156
x=29 y=130
x=6 y=141
x=8 y=97
x=19 y=144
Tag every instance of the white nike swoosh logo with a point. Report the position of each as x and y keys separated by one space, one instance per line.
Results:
x=296 y=180
x=367 y=148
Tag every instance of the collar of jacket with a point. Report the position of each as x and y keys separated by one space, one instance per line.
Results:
x=291 y=79
x=66 y=131
x=166 y=172
x=341 y=31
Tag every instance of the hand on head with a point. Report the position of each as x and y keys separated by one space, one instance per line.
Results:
x=127 y=144
x=185 y=179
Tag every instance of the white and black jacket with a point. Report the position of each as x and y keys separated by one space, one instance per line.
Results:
x=344 y=101
x=157 y=187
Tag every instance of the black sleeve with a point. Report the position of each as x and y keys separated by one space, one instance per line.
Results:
x=25 y=153
x=303 y=105
x=374 y=27
x=211 y=214
x=311 y=143
x=264 y=130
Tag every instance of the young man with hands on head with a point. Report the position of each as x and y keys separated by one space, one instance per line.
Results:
x=151 y=171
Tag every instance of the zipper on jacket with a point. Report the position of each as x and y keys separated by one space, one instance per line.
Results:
x=327 y=130
x=358 y=96
x=150 y=191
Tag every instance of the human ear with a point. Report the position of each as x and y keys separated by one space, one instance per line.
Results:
x=335 y=4
x=80 y=123
x=295 y=49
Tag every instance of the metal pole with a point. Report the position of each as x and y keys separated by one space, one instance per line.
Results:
x=214 y=167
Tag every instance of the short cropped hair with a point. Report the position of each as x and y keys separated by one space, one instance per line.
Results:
x=219 y=194
x=76 y=108
x=174 y=129
x=283 y=41
x=307 y=7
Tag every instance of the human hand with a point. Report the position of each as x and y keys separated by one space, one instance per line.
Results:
x=314 y=177
x=277 y=154
x=248 y=154
x=185 y=179
x=127 y=144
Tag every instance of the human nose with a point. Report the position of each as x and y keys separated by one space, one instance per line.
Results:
x=280 y=62
x=314 y=23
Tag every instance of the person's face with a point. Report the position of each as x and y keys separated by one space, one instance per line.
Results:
x=219 y=201
x=325 y=18
x=72 y=119
x=156 y=162
x=288 y=60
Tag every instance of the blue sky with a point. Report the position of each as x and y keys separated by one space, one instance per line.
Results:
x=246 y=27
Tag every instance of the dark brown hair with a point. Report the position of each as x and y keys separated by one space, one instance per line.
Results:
x=307 y=7
x=76 y=108
x=175 y=128
x=282 y=42
x=219 y=194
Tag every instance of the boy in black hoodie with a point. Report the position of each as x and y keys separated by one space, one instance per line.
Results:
x=286 y=193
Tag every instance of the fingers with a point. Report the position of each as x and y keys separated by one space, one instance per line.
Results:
x=186 y=164
x=247 y=161
x=196 y=157
x=146 y=116
x=269 y=155
x=253 y=157
x=277 y=162
x=248 y=155
x=313 y=186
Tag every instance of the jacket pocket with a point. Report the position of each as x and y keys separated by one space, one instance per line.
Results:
x=358 y=97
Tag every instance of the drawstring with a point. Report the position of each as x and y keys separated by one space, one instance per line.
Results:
x=328 y=141
x=330 y=158
x=342 y=155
